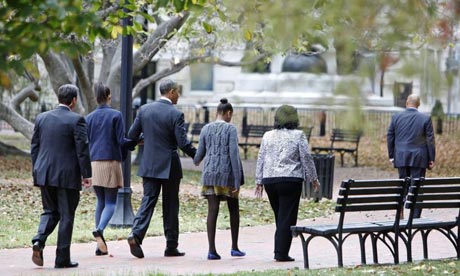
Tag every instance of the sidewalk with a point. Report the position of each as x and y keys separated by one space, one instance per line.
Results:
x=257 y=242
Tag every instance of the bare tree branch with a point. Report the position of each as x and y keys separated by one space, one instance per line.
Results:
x=143 y=83
x=150 y=47
x=27 y=92
x=109 y=10
x=157 y=40
x=85 y=85
x=14 y=119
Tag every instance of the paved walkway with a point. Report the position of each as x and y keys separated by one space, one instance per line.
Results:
x=256 y=241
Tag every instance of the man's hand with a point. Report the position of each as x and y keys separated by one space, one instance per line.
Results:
x=392 y=160
x=86 y=182
x=259 y=190
x=430 y=165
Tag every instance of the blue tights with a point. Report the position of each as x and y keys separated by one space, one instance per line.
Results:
x=105 y=206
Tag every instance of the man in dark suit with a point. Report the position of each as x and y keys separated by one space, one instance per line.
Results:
x=163 y=128
x=410 y=141
x=61 y=164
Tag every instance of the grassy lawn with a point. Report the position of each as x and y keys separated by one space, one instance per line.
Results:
x=20 y=203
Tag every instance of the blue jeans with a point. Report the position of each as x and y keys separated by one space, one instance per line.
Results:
x=105 y=206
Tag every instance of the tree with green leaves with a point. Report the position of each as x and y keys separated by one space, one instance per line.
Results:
x=46 y=30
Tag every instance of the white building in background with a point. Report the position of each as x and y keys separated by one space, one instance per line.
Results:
x=206 y=83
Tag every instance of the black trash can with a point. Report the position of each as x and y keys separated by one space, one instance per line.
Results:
x=324 y=164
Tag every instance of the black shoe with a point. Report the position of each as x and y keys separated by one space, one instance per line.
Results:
x=101 y=245
x=284 y=259
x=100 y=253
x=173 y=252
x=37 y=253
x=66 y=265
x=134 y=246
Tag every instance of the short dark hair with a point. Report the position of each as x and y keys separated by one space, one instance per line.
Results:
x=102 y=92
x=224 y=106
x=66 y=93
x=167 y=85
x=286 y=117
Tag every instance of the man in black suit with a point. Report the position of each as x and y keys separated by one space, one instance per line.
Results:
x=163 y=128
x=61 y=164
x=410 y=141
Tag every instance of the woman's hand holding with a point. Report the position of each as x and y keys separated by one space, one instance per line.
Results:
x=259 y=190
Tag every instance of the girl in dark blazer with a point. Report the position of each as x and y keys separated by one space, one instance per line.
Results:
x=107 y=144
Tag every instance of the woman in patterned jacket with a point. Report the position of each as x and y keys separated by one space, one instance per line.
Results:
x=284 y=162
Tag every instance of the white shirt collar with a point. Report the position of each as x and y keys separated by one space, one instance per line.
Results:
x=164 y=98
x=66 y=106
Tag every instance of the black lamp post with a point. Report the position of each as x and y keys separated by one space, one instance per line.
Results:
x=124 y=216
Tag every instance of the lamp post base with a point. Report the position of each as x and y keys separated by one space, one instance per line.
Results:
x=123 y=215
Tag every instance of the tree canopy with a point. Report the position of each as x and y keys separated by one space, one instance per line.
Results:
x=68 y=34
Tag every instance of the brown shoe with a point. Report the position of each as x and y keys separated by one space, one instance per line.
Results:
x=37 y=253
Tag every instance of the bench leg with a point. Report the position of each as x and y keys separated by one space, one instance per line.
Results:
x=362 y=244
x=425 y=243
x=245 y=153
x=340 y=253
x=341 y=158
x=409 y=248
x=374 y=249
x=356 y=160
x=396 y=249
x=305 y=250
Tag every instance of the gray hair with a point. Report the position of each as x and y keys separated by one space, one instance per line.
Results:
x=167 y=85
x=66 y=93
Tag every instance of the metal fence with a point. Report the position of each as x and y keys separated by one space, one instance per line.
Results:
x=373 y=123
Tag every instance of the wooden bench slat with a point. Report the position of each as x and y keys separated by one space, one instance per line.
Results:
x=441 y=197
x=440 y=181
x=374 y=191
x=372 y=183
x=367 y=207
x=436 y=189
x=377 y=199
x=433 y=205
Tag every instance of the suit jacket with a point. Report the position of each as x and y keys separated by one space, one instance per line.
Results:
x=106 y=134
x=59 y=149
x=163 y=130
x=410 y=139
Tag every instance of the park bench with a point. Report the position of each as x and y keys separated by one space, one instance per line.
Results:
x=342 y=141
x=195 y=132
x=252 y=136
x=361 y=196
x=432 y=193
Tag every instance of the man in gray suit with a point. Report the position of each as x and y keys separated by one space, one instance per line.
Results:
x=410 y=141
x=61 y=164
x=162 y=126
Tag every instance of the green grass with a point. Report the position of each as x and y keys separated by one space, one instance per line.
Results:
x=440 y=267
x=20 y=202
